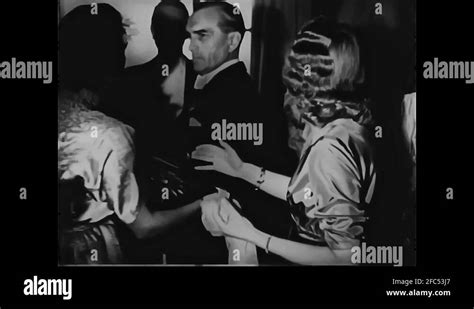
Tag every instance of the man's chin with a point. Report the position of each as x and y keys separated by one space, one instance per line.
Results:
x=198 y=68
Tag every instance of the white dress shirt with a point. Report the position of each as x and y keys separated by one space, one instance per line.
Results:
x=203 y=80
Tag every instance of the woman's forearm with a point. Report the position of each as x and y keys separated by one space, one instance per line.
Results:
x=148 y=224
x=301 y=253
x=273 y=184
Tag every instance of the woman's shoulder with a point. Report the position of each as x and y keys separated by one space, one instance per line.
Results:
x=346 y=132
x=110 y=132
x=344 y=129
x=77 y=122
x=339 y=141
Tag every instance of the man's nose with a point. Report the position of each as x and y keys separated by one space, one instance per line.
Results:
x=192 y=45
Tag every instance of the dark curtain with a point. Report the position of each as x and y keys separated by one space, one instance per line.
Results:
x=274 y=26
x=275 y=23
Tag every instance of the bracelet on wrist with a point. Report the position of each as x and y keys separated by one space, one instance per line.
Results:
x=268 y=244
x=261 y=179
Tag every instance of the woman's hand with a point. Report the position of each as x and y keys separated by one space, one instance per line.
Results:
x=230 y=222
x=224 y=160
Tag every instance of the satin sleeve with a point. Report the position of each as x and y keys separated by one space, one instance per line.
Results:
x=336 y=175
x=119 y=182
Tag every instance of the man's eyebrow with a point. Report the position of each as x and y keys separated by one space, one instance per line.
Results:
x=201 y=31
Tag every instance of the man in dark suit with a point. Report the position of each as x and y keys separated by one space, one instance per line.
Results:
x=153 y=98
x=226 y=97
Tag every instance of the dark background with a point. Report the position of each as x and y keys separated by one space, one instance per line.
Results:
x=28 y=228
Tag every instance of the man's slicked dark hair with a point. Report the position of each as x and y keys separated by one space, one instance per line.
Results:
x=231 y=16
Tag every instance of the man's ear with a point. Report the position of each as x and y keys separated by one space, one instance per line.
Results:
x=234 y=39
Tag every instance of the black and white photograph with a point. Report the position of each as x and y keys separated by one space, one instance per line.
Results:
x=237 y=133
x=236 y=152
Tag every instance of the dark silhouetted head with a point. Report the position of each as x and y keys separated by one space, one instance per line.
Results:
x=91 y=47
x=168 y=27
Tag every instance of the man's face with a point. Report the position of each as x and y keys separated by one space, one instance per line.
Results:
x=209 y=45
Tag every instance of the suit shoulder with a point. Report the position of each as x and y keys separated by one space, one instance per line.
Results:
x=137 y=70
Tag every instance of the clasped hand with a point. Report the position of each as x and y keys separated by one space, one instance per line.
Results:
x=221 y=215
